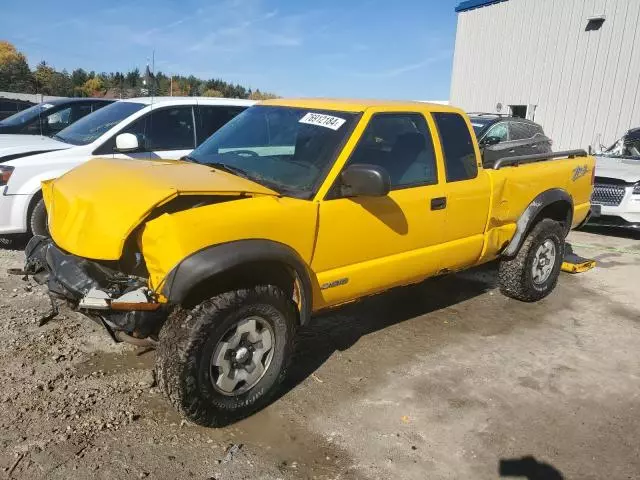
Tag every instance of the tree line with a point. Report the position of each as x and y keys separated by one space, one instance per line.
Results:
x=16 y=76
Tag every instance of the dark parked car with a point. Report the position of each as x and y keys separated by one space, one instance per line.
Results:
x=503 y=136
x=10 y=107
x=48 y=118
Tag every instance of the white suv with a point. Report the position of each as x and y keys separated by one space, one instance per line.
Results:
x=160 y=127
x=617 y=183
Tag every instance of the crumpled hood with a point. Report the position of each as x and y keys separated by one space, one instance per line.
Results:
x=620 y=168
x=94 y=208
x=15 y=146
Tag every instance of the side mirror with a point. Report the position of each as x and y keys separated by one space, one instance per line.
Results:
x=488 y=141
x=363 y=180
x=127 y=142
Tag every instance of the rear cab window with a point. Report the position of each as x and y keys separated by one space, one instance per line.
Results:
x=457 y=147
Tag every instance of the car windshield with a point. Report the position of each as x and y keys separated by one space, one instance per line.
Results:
x=286 y=149
x=479 y=124
x=89 y=128
x=626 y=147
x=27 y=115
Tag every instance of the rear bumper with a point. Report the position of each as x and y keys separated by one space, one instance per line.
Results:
x=95 y=290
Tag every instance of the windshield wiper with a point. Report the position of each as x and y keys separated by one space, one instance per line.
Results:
x=230 y=169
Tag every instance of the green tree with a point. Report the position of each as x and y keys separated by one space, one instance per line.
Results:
x=258 y=95
x=78 y=77
x=210 y=92
x=132 y=78
x=61 y=84
x=94 y=87
x=44 y=76
x=15 y=75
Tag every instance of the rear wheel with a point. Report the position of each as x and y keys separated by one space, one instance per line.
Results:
x=533 y=273
x=224 y=359
x=38 y=219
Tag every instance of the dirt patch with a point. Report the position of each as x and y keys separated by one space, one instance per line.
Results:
x=446 y=379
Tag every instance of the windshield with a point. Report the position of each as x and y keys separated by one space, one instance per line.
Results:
x=27 y=115
x=479 y=124
x=286 y=149
x=627 y=147
x=89 y=128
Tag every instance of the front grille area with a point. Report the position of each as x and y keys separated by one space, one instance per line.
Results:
x=609 y=195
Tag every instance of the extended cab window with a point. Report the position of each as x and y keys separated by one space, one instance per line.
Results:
x=401 y=144
x=165 y=129
x=457 y=147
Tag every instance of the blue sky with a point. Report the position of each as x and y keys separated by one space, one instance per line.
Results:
x=346 y=48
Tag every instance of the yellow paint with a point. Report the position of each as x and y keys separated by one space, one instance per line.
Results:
x=168 y=239
x=94 y=219
x=357 y=246
x=581 y=267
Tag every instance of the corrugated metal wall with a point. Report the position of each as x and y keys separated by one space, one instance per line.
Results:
x=586 y=84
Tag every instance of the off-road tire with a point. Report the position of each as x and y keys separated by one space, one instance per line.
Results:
x=38 y=219
x=188 y=338
x=515 y=275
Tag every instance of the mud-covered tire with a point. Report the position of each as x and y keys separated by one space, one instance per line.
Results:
x=515 y=275
x=187 y=342
x=38 y=219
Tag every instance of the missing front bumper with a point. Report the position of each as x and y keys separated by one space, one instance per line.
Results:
x=120 y=302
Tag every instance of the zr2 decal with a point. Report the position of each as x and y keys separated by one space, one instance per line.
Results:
x=335 y=283
x=579 y=171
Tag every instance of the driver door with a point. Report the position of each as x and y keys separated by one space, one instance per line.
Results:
x=165 y=133
x=369 y=244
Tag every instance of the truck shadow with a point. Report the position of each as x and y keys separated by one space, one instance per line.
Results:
x=340 y=329
x=529 y=468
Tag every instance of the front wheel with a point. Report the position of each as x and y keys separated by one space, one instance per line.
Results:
x=224 y=360
x=533 y=273
x=38 y=220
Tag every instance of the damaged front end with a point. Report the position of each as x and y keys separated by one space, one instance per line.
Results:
x=120 y=302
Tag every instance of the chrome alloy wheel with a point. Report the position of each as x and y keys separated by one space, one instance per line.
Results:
x=543 y=262
x=242 y=356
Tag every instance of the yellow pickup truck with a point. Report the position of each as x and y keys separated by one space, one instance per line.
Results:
x=294 y=207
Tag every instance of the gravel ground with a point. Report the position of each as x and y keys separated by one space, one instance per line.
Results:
x=447 y=379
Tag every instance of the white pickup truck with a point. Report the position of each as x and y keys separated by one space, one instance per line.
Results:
x=616 y=191
x=136 y=128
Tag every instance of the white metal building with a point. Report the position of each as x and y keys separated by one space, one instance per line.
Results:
x=571 y=65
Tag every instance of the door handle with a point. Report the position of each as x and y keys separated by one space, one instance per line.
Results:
x=439 y=203
x=512 y=151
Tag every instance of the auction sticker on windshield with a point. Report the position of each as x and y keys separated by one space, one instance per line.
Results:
x=327 y=121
